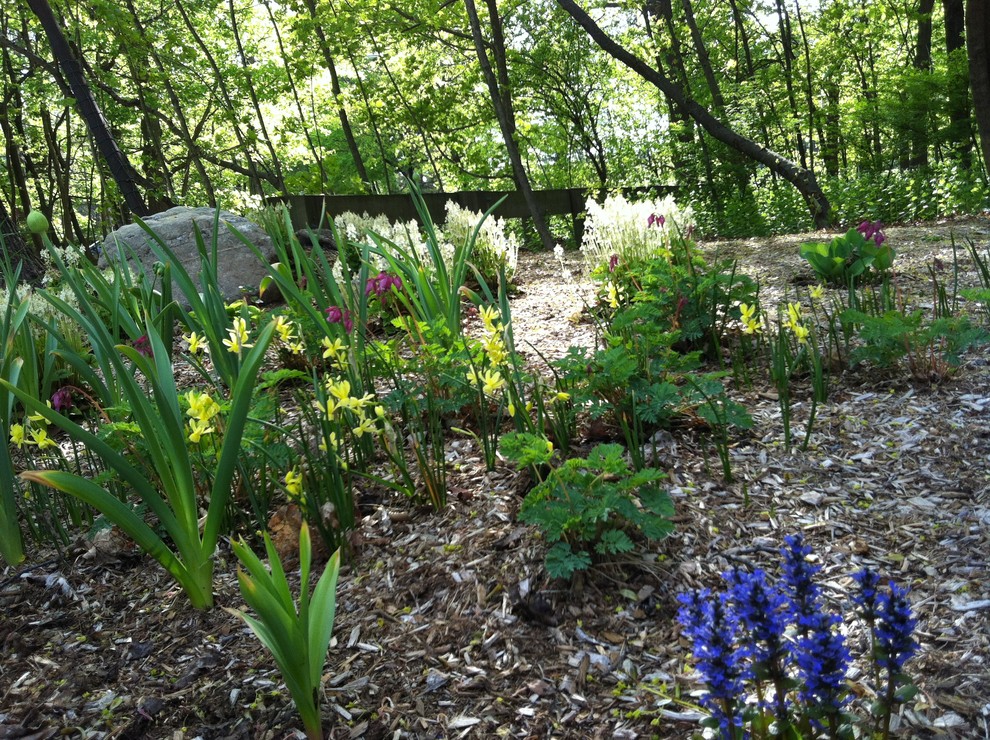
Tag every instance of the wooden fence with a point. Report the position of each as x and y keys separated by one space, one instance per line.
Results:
x=313 y=210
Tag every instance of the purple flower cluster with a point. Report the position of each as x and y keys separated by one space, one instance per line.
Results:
x=338 y=315
x=714 y=628
x=872 y=230
x=381 y=284
x=782 y=633
x=613 y=262
x=62 y=399
x=656 y=219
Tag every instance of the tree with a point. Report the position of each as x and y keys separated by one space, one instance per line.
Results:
x=802 y=179
x=977 y=35
x=120 y=168
x=497 y=79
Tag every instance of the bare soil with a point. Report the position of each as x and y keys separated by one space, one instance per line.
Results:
x=447 y=625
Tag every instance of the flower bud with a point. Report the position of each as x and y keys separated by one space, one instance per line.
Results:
x=37 y=223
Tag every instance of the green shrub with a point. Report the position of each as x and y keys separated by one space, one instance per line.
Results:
x=589 y=504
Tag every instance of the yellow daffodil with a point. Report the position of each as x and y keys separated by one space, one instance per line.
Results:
x=793 y=314
x=333 y=350
x=238 y=334
x=800 y=333
x=511 y=408
x=488 y=316
x=294 y=483
x=748 y=317
x=40 y=437
x=817 y=292
x=495 y=349
x=340 y=389
x=613 y=296
x=201 y=406
x=197 y=428
x=284 y=329
x=196 y=343
x=562 y=396
x=329 y=443
x=38 y=418
x=367 y=426
x=17 y=435
x=492 y=382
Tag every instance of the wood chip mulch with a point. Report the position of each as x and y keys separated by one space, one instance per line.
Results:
x=447 y=626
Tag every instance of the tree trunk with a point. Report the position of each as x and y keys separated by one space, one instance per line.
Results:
x=252 y=93
x=179 y=126
x=345 y=122
x=977 y=36
x=498 y=90
x=960 y=133
x=120 y=168
x=923 y=63
x=802 y=179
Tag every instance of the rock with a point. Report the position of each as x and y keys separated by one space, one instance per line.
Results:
x=239 y=270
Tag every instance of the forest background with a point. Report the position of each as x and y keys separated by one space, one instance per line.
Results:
x=769 y=116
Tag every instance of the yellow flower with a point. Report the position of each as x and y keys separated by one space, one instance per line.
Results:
x=613 y=295
x=297 y=348
x=196 y=342
x=495 y=349
x=488 y=316
x=341 y=389
x=817 y=292
x=294 y=483
x=512 y=410
x=493 y=381
x=41 y=438
x=367 y=426
x=800 y=333
x=284 y=329
x=17 y=435
x=748 y=317
x=793 y=314
x=238 y=340
x=197 y=428
x=201 y=406
x=333 y=349
x=39 y=418
x=561 y=396
x=329 y=442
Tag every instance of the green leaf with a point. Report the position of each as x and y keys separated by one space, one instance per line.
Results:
x=562 y=562
x=614 y=541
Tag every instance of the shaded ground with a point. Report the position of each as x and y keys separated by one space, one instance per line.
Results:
x=447 y=627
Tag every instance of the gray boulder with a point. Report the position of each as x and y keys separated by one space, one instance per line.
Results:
x=239 y=270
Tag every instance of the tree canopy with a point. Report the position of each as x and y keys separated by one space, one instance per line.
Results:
x=110 y=108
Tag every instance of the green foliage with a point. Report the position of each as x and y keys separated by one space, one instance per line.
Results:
x=590 y=503
x=298 y=638
x=848 y=259
x=932 y=350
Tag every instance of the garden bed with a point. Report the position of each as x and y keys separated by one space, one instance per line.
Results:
x=447 y=625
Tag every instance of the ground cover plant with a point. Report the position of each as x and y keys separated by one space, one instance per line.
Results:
x=654 y=455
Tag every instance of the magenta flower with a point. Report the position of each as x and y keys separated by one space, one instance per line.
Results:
x=656 y=219
x=872 y=230
x=613 y=262
x=381 y=283
x=62 y=399
x=143 y=345
x=338 y=315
